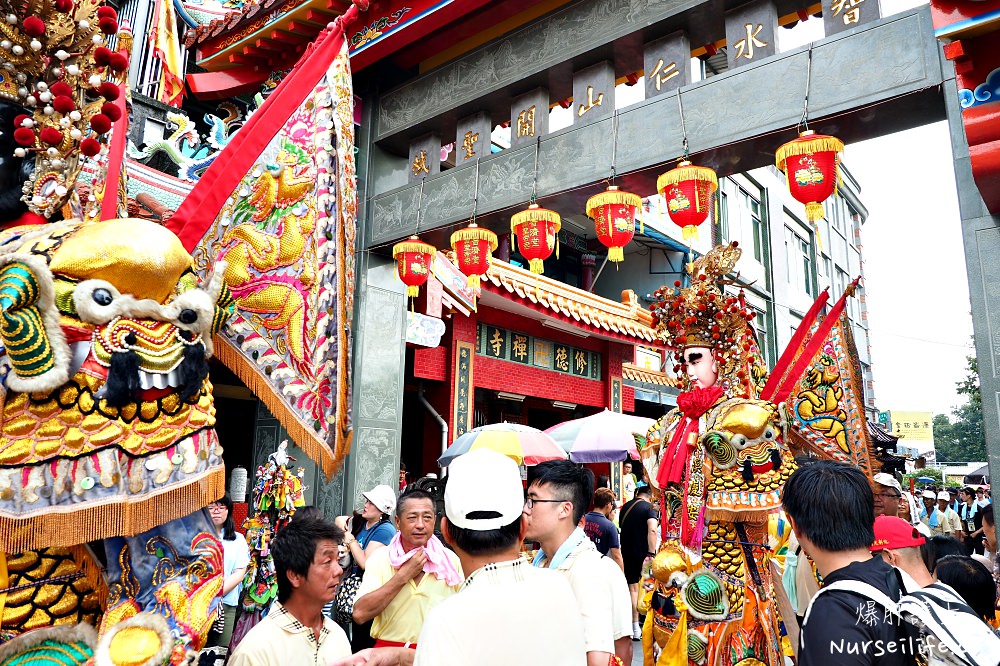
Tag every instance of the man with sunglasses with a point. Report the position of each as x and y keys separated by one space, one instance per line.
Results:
x=559 y=494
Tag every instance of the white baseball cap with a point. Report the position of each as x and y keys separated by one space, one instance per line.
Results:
x=943 y=495
x=928 y=494
x=483 y=480
x=382 y=497
x=887 y=480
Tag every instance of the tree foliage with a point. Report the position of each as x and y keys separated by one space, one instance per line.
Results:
x=929 y=472
x=960 y=438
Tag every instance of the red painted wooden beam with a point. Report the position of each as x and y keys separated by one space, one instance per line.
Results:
x=319 y=18
x=302 y=28
x=225 y=84
x=240 y=59
x=287 y=38
x=267 y=45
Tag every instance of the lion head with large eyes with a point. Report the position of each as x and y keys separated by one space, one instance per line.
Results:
x=744 y=440
x=106 y=332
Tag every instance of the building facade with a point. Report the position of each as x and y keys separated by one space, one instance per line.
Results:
x=418 y=106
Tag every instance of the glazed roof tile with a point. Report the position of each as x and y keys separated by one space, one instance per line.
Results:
x=637 y=374
x=216 y=27
x=575 y=306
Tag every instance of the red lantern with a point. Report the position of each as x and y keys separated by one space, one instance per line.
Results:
x=473 y=248
x=413 y=263
x=688 y=190
x=810 y=165
x=614 y=214
x=535 y=230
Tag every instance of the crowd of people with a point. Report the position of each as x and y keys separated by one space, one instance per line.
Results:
x=893 y=583
x=891 y=593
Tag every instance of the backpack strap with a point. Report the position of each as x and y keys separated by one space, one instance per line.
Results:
x=947 y=616
x=854 y=587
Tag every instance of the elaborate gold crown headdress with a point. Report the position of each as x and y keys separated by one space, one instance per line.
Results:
x=703 y=315
x=53 y=61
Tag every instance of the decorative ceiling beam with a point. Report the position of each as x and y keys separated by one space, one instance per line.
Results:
x=301 y=28
x=322 y=19
x=268 y=45
x=283 y=37
x=240 y=59
x=260 y=54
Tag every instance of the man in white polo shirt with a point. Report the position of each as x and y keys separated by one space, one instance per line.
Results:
x=506 y=612
x=295 y=630
x=559 y=493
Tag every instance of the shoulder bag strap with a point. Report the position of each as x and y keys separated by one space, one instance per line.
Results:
x=625 y=515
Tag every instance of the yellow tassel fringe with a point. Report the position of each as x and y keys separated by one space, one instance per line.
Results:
x=807 y=144
x=535 y=214
x=474 y=281
x=687 y=171
x=689 y=232
x=814 y=211
x=112 y=518
x=303 y=435
x=474 y=233
x=612 y=196
x=616 y=254
x=413 y=246
x=537 y=266
x=91 y=571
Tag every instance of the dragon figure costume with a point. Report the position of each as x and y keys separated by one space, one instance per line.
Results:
x=107 y=448
x=718 y=463
x=108 y=453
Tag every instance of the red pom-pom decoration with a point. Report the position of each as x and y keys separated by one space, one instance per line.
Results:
x=63 y=104
x=51 y=136
x=90 y=147
x=34 y=26
x=64 y=6
x=108 y=25
x=102 y=56
x=60 y=88
x=100 y=123
x=118 y=63
x=108 y=91
x=113 y=113
x=20 y=118
x=107 y=12
x=24 y=136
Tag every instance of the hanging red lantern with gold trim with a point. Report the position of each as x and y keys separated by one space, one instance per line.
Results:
x=810 y=165
x=474 y=248
x=413 y=263
x=535 y=230
x=614 y=212
x=688 y=191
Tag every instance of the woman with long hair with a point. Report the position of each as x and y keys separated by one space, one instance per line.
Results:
x=236 y=557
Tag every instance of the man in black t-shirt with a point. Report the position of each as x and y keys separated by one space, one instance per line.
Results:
x=639 y=536
x=831 y=509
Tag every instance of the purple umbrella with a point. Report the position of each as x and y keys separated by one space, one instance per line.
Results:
x=603 y=437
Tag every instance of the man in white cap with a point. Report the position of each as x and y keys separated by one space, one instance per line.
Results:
x=887 y=493
x=487 y=622
x=376 y=533
x=937 y=521
x=506 y=612
x=954 y=521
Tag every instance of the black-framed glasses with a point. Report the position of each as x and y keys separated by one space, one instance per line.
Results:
x=889 y=495
x=530 y=502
